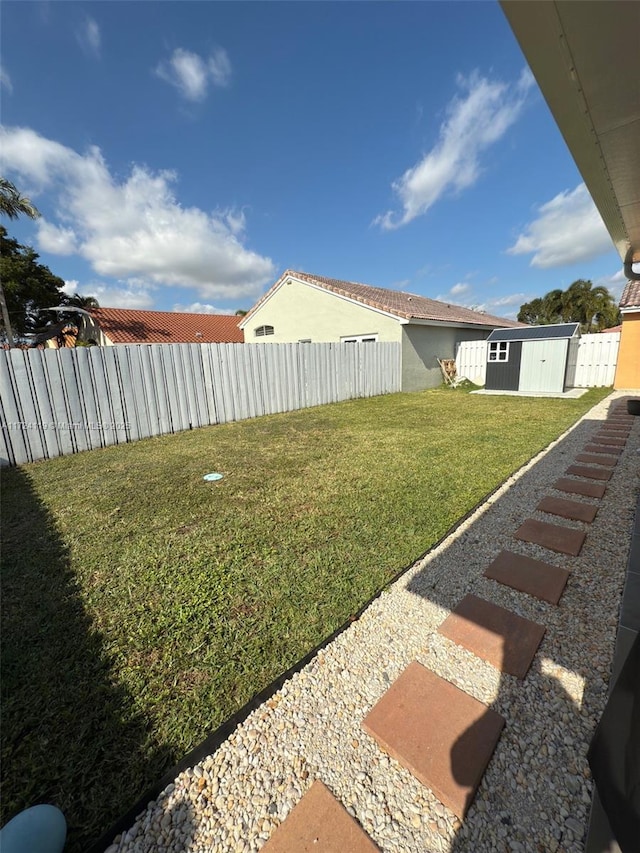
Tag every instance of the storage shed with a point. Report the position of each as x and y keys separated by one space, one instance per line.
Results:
x=533 y=358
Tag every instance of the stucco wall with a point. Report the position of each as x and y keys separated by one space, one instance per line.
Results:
x=628 y=368
x=298 y=312
x=423 y=345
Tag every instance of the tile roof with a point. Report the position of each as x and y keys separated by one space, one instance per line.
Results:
x=631 y=295
x=125 y=326
x=408 y=306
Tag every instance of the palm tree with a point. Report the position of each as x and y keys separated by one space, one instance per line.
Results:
x=554 y=307
x=593 y=307
x=12 y=204
x=85 y=302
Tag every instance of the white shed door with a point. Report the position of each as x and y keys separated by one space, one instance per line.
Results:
x=543 y=365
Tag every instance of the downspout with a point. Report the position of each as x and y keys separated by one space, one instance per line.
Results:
x=628 y=267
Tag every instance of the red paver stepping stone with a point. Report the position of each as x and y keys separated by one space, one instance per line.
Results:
x=439 y=733
x=578 y=487
x=502 y=638
x=589 y=473
x=525 y=574
x=594 y=459
x=565 y=540
x=603 y=438
x=600 y=448
x=574 y=510
x=319 y=824
x=615 y=427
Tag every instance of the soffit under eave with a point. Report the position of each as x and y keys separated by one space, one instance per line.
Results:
x=584 y=58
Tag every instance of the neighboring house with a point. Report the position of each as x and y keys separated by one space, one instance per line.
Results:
x=628 y=367
x=109 y=326
x=307 y=308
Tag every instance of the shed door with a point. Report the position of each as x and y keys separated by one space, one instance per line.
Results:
x=543 y=365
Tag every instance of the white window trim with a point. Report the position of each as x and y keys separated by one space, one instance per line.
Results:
x=499 y=352
x=359 y=339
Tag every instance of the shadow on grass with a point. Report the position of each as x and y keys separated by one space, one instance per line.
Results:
x=70 y=735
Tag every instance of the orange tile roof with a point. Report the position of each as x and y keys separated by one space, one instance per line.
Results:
x=125 y=326
x=408 y=306
x=631 y=295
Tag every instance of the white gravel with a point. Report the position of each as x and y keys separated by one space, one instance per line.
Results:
x=536 y=792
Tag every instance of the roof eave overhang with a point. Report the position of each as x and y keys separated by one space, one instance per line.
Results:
x=584 y=58
x=487 y=327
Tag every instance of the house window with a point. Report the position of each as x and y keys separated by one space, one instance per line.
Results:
x=359 y=339
x=499 y=351
x=261 y=331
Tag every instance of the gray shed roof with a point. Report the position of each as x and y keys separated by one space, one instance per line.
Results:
x=535 y=333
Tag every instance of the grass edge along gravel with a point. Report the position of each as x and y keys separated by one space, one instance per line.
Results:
x=142 y=607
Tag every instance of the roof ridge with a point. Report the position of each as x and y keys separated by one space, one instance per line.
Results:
x=401 y=304
x=333 y=285
x=154 y=311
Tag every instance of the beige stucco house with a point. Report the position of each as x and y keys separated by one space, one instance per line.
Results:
x=306 y=308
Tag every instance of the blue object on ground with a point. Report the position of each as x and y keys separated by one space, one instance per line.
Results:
x=214 y=476
x=40 y=829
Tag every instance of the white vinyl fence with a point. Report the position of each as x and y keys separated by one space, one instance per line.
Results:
x=597 y=359
x=596 y=367
x=56 y=402
x=471 y=361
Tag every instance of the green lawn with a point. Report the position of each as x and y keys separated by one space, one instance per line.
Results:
x=143 y=606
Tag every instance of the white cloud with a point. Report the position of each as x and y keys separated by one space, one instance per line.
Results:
x=191 y=74
x=568 y=229
x=135 y=227
x=475 y=121
x=124 y=296
x=56 y=239
x=89 y=38
x=5 y=80
x=201 y=308
x=511 y=299
x=459 y=288
x=498 y=307
x=220 y=67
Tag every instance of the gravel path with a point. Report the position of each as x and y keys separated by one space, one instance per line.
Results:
x=536 y=792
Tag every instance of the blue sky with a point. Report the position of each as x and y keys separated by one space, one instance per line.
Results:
x=183 y=155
